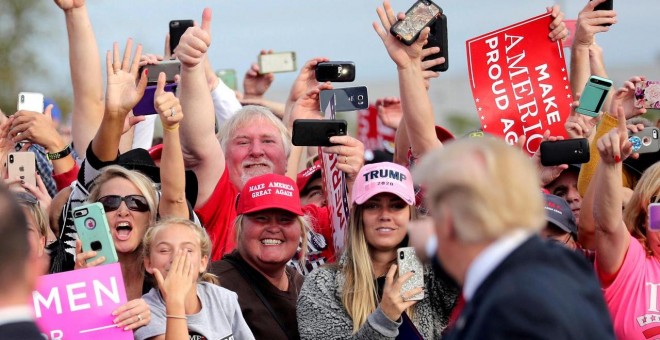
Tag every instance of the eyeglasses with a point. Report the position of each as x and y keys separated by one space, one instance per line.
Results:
x=133 y=202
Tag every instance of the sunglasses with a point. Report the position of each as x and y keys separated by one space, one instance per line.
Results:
x=133 y=202
x=26 y=198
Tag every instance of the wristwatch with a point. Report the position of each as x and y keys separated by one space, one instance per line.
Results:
x=60 y=154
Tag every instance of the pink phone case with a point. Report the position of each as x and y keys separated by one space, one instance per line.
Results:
x=647 y=94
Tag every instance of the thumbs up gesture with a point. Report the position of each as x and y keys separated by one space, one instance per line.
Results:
x=167 y=105
x=195 y=42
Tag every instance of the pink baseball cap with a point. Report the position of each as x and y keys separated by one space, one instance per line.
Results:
x=270 y=191
x=381 y=177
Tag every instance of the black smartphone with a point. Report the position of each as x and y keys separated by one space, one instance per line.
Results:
x=335 y=71
x=438 y=38
x=170 y=67
x=347 y=99
x=316 y=132
x=422 y=14
x=608 y=5
x=568 y=151
x=177 y=28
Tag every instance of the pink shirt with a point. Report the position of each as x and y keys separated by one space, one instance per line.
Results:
x=632 y=297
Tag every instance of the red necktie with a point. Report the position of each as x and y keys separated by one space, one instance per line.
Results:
x=456 y=312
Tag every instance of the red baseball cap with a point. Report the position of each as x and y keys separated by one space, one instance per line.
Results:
x=270 y=191
x=307 y=175
x=443 y=134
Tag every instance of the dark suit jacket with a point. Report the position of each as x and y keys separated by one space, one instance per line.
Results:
x=25 y=330
x=540 y=291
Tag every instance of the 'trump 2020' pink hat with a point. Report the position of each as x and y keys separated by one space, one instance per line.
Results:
x=381 y=177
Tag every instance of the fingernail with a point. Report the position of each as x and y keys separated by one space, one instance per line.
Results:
x=617 y=159
x=126 y=328
x=146 y=71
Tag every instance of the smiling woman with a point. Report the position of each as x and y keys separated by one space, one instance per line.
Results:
x=269 y=227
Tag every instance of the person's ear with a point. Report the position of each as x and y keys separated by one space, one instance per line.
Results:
x=203 y=264
x=147 y=265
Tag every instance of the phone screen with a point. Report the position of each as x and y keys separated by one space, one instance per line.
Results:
x=416 y=19
x=654 y=216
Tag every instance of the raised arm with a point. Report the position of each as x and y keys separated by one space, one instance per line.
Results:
x=612 y=236
x=201 y=149
x=122 y=94
x=172 y=171
x=86 y=75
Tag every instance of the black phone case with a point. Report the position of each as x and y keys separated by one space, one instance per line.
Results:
x=569 y=151
x=316 y=132
x=605 y=6
x=327 y=71
x=393 y=28
x=177 y=30
x=348 y=98
x=438 y=38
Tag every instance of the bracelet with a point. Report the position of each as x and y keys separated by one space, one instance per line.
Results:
x=60 y=154
x=174 y=127
x=176 y=317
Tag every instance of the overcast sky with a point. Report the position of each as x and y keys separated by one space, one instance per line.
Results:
x=338 y=29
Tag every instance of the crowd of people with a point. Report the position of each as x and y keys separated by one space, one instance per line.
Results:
x=223 y=229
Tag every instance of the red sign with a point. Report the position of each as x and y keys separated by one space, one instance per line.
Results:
x=372 y=132
x=519 y=82
x=334 y=185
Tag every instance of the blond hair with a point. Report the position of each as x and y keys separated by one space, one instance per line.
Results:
x=635 y=214
x=142 y=182
x=490 y=187
x=359 y=294
x=202 y=236
x=304 y=226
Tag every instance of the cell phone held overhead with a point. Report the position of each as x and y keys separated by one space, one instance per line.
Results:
x=335 y=71
x=317 y=132
x=422 y=14
x=177 y=28
x=593 y=96
x=277 y=62
x=30 y=101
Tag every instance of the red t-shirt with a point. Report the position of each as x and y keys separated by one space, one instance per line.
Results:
x=217 y=216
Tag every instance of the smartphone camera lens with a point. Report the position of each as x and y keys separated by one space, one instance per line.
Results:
x=11 y=158
x=401 y=256
x=22 y=99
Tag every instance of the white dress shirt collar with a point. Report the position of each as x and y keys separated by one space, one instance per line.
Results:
x=15 y=314
x=490 y=258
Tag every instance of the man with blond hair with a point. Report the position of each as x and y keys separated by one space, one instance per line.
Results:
x=487 y=208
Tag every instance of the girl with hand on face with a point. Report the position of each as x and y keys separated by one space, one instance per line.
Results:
x=188 y=302
x=361 y=297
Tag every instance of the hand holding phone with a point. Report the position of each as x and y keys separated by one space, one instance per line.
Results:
x=316 y=132
x=170 y=67
x=22 y=165
x=608 y=5
x=422 y=14
x=647 y=94
x=438 y=38
x=568 y=151
x=177 y=28
x=94 y=232
x=407 y=261
x=593 y=96
x=335 y=71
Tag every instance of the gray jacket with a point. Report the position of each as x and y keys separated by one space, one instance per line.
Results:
x=321 y=314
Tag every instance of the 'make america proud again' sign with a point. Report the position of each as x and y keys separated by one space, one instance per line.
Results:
x=519 y=82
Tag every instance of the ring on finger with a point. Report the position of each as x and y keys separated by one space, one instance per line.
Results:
x=345 y=159
x=172 y=112
x=139 y=317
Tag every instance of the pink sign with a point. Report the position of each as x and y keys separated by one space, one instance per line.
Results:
x=519 y=82
x=78 y=304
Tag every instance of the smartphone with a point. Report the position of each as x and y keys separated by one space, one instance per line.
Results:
x=335 y=71
x=177 y=28
x=568 y=151
x=438 y=38
x=593 y=96
x=22 y=165
x=654 y=216
x=347 y=99
x=646 y=141
x=317 y=132
x=407 y=261
x=30 y=101
x=146 y=105
x=647 y=94
x=228 y=77
x=277 y=62
x=422 y=14
x=608 y=5
x=94 y=232
x=170 y=67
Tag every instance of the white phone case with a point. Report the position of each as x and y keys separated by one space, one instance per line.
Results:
x=30 y=101
x=277 y=62
x=407 y=261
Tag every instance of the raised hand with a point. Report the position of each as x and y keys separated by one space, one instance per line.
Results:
x=167 y=105
x=122 y=93
x=389 y=111
x=614 y=147
x=394 y=302
x=548 y=173
x=307 y=106
x=37 y=128
x=589 y=23
x=306 y=79
x=195 y=42
x=256 y=84
x=401 y=54
x=578 y=125
x=350 y=155
x=180 y=278
x=69 y=4
x=624 y=97
x=81 y=258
